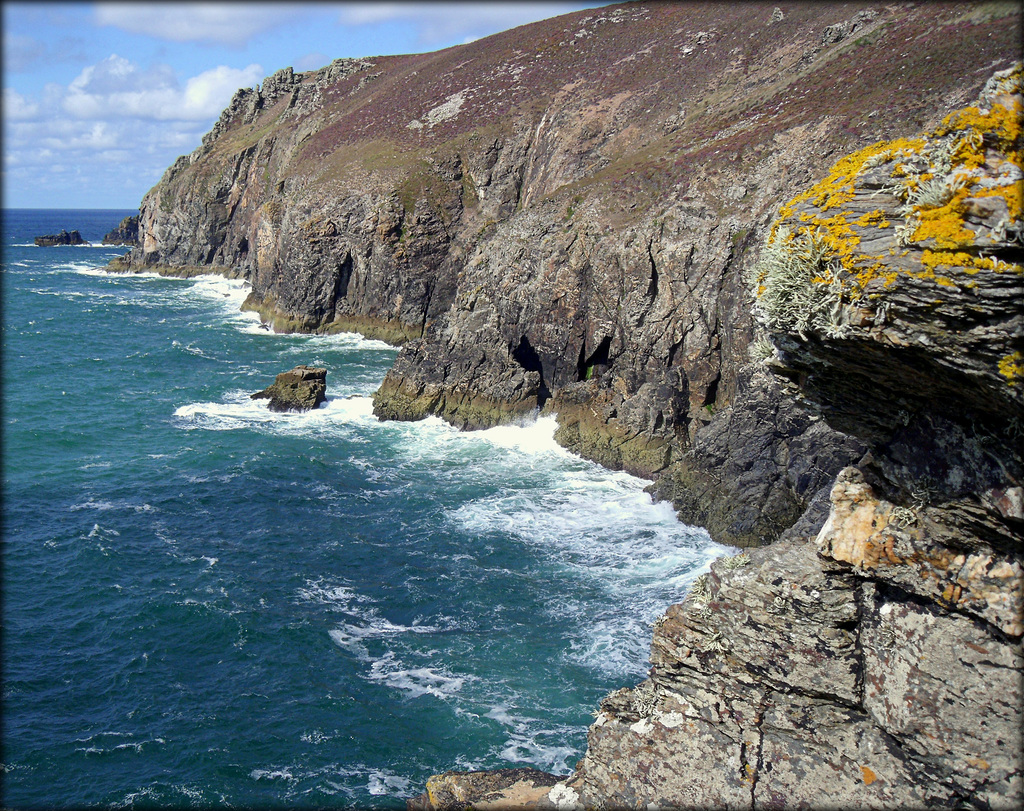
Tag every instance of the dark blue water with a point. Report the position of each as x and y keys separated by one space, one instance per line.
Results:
x=205 y=603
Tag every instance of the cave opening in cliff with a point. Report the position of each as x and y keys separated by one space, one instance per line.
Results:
x=526 y=356
x=341 y=280
x=597 y=363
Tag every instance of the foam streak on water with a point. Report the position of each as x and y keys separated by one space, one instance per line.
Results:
x=207 y=603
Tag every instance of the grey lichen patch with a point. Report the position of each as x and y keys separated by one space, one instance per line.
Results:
x=645 y=699
x=796 y=284
x=716 y=643
x=736 y=561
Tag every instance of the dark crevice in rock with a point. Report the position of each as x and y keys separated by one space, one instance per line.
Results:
x=597 y=362
x=652 y=287
x=526 y=356
x=344 y=275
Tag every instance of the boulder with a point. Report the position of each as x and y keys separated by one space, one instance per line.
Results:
x=301 y=389
x=63 y=238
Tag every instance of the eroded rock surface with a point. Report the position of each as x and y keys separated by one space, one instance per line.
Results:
x=876 y=663
x=126 y=232
x=300 y=389
x=561 y=217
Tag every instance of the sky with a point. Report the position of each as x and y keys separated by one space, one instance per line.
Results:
x=100 y=98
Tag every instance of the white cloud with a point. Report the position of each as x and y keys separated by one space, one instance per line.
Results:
x=207 y=94
x=232 y=24
x=17 y=107
x=118 y=125
x=444 y=22
x=116 y=87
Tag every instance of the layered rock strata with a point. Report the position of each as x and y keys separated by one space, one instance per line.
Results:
x=875 y=663
x=126 y=232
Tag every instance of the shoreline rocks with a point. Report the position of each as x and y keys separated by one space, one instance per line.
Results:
x=126 y=233
x=63 y=238
x=301 y=389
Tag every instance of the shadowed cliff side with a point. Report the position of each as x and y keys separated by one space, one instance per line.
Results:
x=561 y=217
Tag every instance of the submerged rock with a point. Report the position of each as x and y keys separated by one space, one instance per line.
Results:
x=301 y=389
x=63 y=238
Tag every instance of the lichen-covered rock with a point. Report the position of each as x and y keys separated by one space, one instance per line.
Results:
x=915 y=549
x=568 y=227
x=499 y=790
x=301 y=389
x=563 y=217
x=877 y=662
x=904 y=266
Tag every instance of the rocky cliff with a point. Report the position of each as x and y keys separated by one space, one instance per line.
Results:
x=876 y=662
x=768 y=257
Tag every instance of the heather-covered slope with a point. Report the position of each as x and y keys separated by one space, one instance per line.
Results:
x=561 y=215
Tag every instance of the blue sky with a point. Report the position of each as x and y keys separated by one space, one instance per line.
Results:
x=100 y=98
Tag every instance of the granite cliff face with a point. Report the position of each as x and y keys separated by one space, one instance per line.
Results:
x=767 y=257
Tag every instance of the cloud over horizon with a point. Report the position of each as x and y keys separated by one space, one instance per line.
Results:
x=230 y=24
x=118 y=88
x=115 y=121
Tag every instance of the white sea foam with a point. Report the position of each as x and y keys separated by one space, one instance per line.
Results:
x=537 y=437
x=417 y=681
x=383 y=783
x=339 y=598
x=271 y=774
x=240 y=411
x=534 y=741
x=119 y=504
x=590 y=525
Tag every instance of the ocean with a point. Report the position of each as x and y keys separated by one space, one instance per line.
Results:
x=209 y=604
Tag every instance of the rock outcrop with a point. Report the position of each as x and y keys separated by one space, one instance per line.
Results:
x=301 y=389
x=521 y=789
x=126 y=232
x=63 y=238
x=619 y=216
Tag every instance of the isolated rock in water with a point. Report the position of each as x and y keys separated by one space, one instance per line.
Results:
x=126 y=233
x=63 y=238
x=300 y=389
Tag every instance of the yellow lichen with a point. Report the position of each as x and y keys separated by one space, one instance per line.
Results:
x=937 y=180
x=945 y=224
x=967 y=262
x=1012 y=193
x=1000 y=125
x=876 y=219
x=1012 y=368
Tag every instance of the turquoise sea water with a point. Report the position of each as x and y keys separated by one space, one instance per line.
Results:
x=206 y=603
